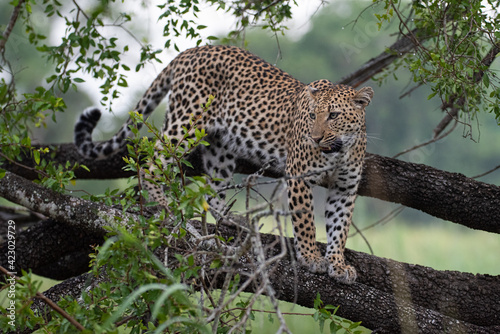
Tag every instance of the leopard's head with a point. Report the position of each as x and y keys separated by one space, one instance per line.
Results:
x=335 y=115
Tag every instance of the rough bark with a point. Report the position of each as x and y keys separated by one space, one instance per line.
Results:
x=52 y=249
x=73 y=211
x=449 y=196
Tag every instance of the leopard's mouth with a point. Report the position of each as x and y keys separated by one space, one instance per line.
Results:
x=335 y=147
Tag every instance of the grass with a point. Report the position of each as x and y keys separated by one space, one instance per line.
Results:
x=442 y=246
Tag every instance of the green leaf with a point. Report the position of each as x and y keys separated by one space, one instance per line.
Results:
x=334 y=327
x=321 y=324
x=355 y=325
x=36 y=156
x=486 y=80
x=216 y=264
x=317 y=301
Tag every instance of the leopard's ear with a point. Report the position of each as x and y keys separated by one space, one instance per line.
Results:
x=311 y=92
x=363 y=97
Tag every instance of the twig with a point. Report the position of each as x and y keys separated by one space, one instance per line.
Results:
x=10 y=26
x=411 y=90
x=48 y=301
x=383 y=220
x=80 y=10
x=360 y=232
x=486 y=173
x=434 y=139
x=450 y=115
x=411 y=33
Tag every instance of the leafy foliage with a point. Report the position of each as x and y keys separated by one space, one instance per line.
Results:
x=142 y=295
x=325 y=313
x=455 y=41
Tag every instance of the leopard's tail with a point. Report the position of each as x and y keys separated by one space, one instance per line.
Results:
x=90 y=116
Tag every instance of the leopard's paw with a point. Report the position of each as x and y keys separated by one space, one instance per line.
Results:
x=314 y=263
x=343 y=273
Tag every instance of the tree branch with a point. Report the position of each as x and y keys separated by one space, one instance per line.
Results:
x=70 y=210
x=52 y=249
x=376 y=65
x=445 y=195
x=449 y=196
x=389 y=296
x=10 y=26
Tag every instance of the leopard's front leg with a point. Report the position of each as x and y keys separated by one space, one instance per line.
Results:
x=338 y=215
x=301 y=205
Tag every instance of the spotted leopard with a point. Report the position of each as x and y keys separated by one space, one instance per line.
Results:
x=316 y=133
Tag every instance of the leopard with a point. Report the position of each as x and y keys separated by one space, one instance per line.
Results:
x=315 y=134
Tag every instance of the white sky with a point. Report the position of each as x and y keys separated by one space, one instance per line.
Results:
x=218 y=24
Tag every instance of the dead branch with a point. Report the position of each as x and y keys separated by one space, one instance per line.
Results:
x=377 y=64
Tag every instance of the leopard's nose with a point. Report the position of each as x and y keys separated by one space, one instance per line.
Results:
x=316 y=139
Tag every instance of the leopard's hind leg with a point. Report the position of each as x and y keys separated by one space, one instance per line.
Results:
x=219 y=163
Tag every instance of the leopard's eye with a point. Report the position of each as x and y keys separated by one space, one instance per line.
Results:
x=312 y=115
x=333 y=115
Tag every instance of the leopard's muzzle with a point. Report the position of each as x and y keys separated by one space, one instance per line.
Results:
x=335 y=147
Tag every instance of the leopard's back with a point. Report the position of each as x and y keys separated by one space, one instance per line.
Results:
x=252 y=105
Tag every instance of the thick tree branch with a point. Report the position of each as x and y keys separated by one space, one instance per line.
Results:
x=449 y=196
x=70 y=210
x=52 y=249
x=445 y=195
x=389 y=296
